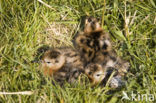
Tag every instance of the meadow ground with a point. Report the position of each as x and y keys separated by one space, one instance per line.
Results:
x=26 y=25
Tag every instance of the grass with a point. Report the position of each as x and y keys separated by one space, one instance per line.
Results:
x=26 y=25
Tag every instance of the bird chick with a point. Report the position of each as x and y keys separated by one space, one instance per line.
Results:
x=63 y=64
x=95 y=73
x=92 y=40
x=111 y=66
x=52 y=61
x=92 y=24
x=100 y=37
x=99 y=74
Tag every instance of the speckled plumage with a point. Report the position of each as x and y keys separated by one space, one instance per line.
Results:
x=63 y=64
x=93 y=56
x=95 y=46
x=92 y=40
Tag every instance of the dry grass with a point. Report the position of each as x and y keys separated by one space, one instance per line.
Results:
x=26 y=25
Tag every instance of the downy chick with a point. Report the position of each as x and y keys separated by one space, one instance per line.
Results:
x=92 y=40
x=52 y=61
x=63 y=64
x=92 y=24
x=99 y=74
x=95 y=73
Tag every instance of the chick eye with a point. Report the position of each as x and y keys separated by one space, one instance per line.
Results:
x=89 y=19
x=48 y=62
x=98 y=75
x=89 y=73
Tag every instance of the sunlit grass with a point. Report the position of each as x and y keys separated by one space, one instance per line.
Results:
x=26 y=25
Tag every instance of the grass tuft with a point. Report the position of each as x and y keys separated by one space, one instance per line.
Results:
x=26 y=25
